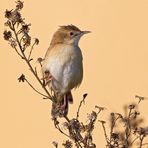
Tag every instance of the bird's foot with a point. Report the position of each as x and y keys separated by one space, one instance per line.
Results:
x=62 y=107
x=47 y=78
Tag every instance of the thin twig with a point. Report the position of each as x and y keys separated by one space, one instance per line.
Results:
x=35 y=89
x=18 y=52
x=67 y=118
x=59 y=129
x=31 y=51
x=141 y=141
x=128 y=128
x=145 y=144
x=105 y=134
x=134 y=140
x=28 y=63
x=82 y=101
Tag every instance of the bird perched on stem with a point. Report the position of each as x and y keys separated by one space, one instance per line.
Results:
x=62 y=67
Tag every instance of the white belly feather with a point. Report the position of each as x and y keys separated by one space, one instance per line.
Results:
x=65 y=65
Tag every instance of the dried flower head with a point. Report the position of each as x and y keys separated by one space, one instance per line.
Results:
x=8 y=14
x=14 y=16
x=65 y=125
x=102 y=121
x=92 y=117
x=26 y=40
x=40 y=60
x=21 y=78
x=25 y=28
x=13 y=43
x=67 y=144
x=112 y=114
x=115 y=136
x=131 y=106
x=55 y=143
x=19 y=5
x=100 y=108
x=36 y=41
x=74 y=124
x=7 y=35
x=143 y=131
x=140 y=98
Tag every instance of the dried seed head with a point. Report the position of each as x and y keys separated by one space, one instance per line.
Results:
x=13 y=43
x=131 y=106
x=21 y=78
x=115 y=136
x=36 y=41
x=7 y=35
x=103 y=122
x=65 y=125
x=25 y=28
x=8 y=14
x=40 y=60
x=143 y=131
x=67 y=144
x=19 y=5
x=55 y=143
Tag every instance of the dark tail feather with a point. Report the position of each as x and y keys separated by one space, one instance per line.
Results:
x=69 y=97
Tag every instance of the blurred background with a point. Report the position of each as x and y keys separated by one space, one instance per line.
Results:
x=115 y=66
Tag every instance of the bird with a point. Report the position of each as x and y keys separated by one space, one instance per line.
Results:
x=62 y=67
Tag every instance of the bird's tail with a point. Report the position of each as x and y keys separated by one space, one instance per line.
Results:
x=69 y=97
x=62 y=109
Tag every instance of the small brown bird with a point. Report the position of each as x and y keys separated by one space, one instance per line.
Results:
x=62 y=67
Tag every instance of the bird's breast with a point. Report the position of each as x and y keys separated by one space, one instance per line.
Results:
x=65 y=65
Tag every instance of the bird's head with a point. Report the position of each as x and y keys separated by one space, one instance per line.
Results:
x=69 y=34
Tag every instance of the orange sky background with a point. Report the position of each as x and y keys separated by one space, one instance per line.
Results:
x=115 y=66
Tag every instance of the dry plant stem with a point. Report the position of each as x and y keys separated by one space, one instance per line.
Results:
x=28 y=63
x=113 y=122
x=128 y=128
x=105 y=134
x=144 y=144
x=59 y=129
x=82 y=101
x=141 y=141
x=18 y=53
x=35 y=89
x=68 y=120
x=31 y=51
x=134 y=140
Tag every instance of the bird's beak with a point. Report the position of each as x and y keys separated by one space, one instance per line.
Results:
x=85 y=32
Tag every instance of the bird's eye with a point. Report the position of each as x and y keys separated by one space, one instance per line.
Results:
x=71 y=33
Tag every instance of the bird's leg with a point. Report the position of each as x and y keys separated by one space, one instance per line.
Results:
x=62 y=106
x=64 y=103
